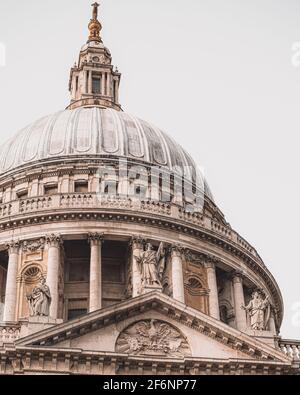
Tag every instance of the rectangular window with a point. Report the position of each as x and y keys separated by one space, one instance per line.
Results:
x=22 y=194
x=50 y=190
x=79 y=270
x=97 y=85
x=81 y=187
x=76 y=313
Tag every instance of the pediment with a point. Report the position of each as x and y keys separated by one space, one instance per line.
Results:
x=154 y=325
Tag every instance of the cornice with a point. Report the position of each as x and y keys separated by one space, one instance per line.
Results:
x=169 y=308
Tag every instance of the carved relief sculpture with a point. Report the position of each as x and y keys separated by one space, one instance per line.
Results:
x=39 y=300
x=153 y=337
x=259 y=311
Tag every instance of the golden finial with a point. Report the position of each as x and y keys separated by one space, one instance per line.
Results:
x=95 y=26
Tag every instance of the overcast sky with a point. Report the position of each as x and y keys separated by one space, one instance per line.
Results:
x=215 y=74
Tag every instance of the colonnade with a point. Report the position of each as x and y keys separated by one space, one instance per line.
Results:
x=95 y=284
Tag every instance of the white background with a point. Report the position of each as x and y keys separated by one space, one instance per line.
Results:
x=215 y=74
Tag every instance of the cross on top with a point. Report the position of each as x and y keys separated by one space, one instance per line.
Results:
x=95 y=10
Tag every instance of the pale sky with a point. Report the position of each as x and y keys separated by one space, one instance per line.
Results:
x=217 y=75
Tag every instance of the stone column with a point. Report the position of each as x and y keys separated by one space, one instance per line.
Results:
x=11 y=283
x=108 y=85
x=54 y=242
x=103 y=84
x=272 y=325
x=137 y=249
x=177 y=274
x=117 y=91
x=214 y=310
x=90 y=82
x=85 y=82
x=95 y=272
x=239 y=301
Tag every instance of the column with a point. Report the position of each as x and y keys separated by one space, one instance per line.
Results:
x=108 y=85
x=54 y=242
x=155 y=196
x=90 y=82
x=239 y=301
x=137 y=249
x=214 y=310
x=103 y=84
x=11 y=283
x=116 y=88
x=177 y=273
x=95 y=240
x=272 y=325
x=85 y=82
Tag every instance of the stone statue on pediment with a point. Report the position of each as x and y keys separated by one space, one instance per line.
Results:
x=258 y=310
x=39 y=300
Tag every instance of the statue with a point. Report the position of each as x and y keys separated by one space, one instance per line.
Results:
x=152 y=265
x=39 y=300
x=259 y=311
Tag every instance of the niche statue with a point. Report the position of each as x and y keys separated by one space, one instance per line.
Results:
x=39 y=300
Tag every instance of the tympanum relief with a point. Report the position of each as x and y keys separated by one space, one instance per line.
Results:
x=153 y=338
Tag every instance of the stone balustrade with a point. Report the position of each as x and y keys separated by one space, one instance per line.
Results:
x=35 y=204
x=291 y=348
x=96 y=201
x=77 y=200
x=9 y=333
x=5 y=210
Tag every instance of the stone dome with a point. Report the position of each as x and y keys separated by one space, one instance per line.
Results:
x=95 y=132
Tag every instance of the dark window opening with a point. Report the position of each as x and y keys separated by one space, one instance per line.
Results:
x=22 y=194
x=50 y=190
x=81 y=187
x=76 y=313
x=97 y=85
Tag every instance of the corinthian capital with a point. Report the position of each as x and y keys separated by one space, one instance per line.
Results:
x=54 y=240
x=95 y=238
x=137 y=242
x=176 y=250
x=13 y=247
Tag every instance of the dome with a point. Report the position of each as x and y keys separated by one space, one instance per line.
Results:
x=95 y=133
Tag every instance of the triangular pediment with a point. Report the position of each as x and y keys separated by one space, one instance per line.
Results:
x=154 y=325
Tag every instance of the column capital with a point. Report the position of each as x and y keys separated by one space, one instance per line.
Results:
x=54 y=240
x=237 y=276
x=13 y=247
x=137 y=242
x=95 y=238
x=176 y=250
x=210 y=265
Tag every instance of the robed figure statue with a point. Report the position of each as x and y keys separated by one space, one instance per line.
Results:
x=39 y=300
x=152 y=265
x=259 y=311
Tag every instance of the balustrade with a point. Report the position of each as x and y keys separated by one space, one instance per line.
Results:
x=96 y=201
x=290 y=348
x=9 y=333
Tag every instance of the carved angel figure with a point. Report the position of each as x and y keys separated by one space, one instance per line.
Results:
x=39 y=300
x=259 y=311
x=152 y=265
